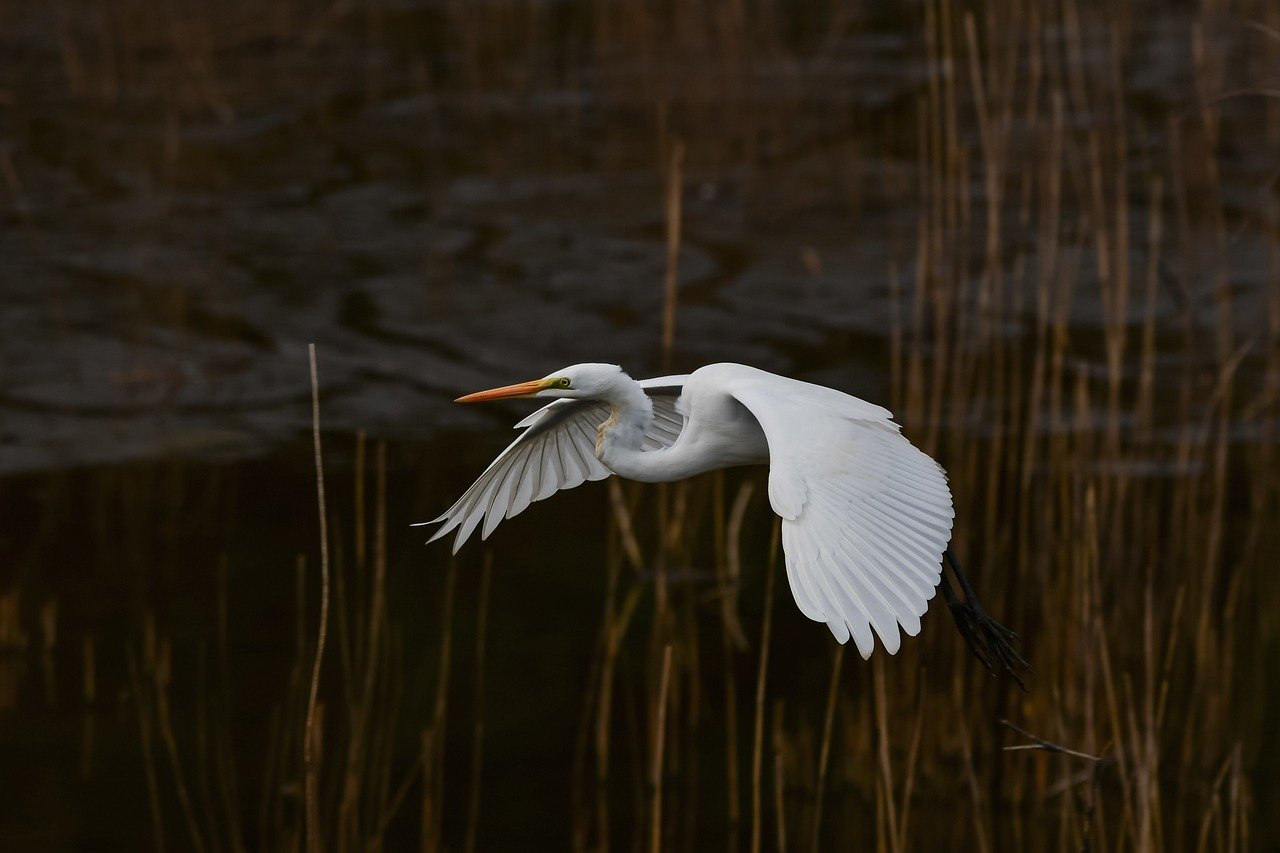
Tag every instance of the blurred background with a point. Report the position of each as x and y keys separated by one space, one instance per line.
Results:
x=1046 y=235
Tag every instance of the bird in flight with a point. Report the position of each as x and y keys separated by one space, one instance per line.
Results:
x=866 y=516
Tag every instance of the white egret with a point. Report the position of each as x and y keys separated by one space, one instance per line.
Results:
x=866 y=516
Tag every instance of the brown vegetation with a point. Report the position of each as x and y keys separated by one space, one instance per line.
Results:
x=1068 y=337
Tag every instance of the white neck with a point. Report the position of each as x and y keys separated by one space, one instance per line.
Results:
x=619 y=440
x=631 y=416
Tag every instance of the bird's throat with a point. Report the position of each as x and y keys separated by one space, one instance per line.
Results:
x=602 y=430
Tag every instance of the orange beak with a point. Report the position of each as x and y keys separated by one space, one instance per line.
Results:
x=520 y=389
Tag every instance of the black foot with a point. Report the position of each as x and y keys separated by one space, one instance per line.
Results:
x=990 y=642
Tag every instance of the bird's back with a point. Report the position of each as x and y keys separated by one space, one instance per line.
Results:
x=719 y=378
x=718 y=429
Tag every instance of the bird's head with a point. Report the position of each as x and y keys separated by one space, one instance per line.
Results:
x=578 y=381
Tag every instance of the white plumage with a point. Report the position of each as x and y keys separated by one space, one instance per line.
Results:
x=866 y=516
x=556 y=451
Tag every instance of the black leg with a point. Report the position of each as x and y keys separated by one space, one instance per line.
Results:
x=990 y=642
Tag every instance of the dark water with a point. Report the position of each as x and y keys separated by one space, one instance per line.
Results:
x=442 y=198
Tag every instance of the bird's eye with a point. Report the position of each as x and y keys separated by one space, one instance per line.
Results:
x=564 y=382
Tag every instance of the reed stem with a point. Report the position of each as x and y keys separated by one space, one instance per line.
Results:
x=309 y=747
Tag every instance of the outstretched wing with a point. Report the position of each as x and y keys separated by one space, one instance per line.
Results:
x=556 y=451
x=866 y=515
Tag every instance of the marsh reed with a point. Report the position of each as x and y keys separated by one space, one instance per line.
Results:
x=1071 y=332
x=1102 y=433
x=333 y=773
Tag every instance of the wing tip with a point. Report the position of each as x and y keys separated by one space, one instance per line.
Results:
x=843 y=632
x=439 y=518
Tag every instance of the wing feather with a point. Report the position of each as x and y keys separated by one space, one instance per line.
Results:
x=553 y=474
x=921 y=581
x=556 y=451
x=859 y=578
x=866 y=515
x=531 y=484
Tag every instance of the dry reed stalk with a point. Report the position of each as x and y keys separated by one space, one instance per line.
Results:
x=146 y=734
x=671 y=276
x=158 y=658
x=609 y=642
x=729 y=571
x=278 y=781
x=361 y=531
x=482 y=623
x=1213 y=817
x=389 y=700
x=311 y=771
x=779 y=776
x=885 y=778
x=12 y=639
x=662 y=628
x=429 y=822
x=672 y=534
x=975 y=791
x=658 y=750
x=824 y=754
x=268 y=787
x=733 y=567
x=378 y=610
x=433 y=739
x=730 y=680
x=638 y=758
x=343 y=637
x=626 y=529
x=762 y=672
x=908 y=787
x=48 y=617
x=348 y=638
x=203 y=771
x=89 y=693
x=73 y=65
x=361 y=697
x=394 y=800
x=224 y=755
